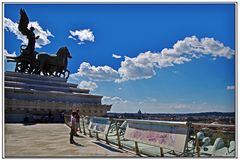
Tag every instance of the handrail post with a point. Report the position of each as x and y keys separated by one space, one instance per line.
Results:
x=80 y=130
x=161 y=151
x=84 y=131
x=90 y=134
x=197 y=144
x=106 y=139
x=106 y=135
x=118 y=136
x=136 y=148
x=96 y=136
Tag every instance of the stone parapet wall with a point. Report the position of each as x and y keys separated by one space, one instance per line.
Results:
x=37 y=106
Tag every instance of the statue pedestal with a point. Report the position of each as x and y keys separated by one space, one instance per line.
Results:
x=41 y=98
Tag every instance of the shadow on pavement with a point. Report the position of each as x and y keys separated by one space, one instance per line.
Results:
x=107 y=147
x=78 y=136
x=29 y=124
x=78 y=144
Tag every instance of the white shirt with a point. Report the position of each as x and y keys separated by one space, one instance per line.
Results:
x=73 y=121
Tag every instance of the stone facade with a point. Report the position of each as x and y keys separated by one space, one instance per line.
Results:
x=36 y=96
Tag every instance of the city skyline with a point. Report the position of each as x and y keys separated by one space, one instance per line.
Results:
x=159 y=58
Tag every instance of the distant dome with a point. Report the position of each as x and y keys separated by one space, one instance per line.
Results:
x=139 y=111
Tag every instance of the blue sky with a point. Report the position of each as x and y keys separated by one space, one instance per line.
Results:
x=162 y=58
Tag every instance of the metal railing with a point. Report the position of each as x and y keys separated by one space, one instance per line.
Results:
x=224 y=134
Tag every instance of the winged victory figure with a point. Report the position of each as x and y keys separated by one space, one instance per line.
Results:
x=23 y=28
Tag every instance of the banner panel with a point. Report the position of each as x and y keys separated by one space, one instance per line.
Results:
x=167 y=136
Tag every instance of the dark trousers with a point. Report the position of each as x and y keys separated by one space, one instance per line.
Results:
x=71 y=135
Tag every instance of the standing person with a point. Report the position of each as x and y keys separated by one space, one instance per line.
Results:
x=78 y=121
x=49 y=116
x=73 y=127
x=62 y=117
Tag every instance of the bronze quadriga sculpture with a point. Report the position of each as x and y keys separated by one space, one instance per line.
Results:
x=32 y=62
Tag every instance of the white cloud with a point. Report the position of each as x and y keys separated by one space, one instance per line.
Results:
x=175 y=72
x=144 y=65
x=9 y=66
x=71 y=37
x=230 y=87
x=80 y=43
x=179 y=106
x=116 y=56
x=82 y=35
x=216 y=48
x=139 y=67
x=87 y=85
x=100 y=73
x=73 y=77
x=113 y=100
x=43 y=40
x=6 y=54
x=151 y=99
x=147 y=100
x=197 y=47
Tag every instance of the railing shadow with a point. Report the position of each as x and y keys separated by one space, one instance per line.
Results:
x=108 y=147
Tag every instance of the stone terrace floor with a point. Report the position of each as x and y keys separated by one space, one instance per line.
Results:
x=52 y=140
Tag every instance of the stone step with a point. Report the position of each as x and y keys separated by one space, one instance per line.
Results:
x=35 y=86
x=78 y=90
x=29 y=80
x=44 y=87
x=34 y=76
x=37 y=81
x=27 y=93
x=31 y=94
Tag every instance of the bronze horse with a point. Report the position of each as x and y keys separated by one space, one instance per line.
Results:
x=55 y=65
